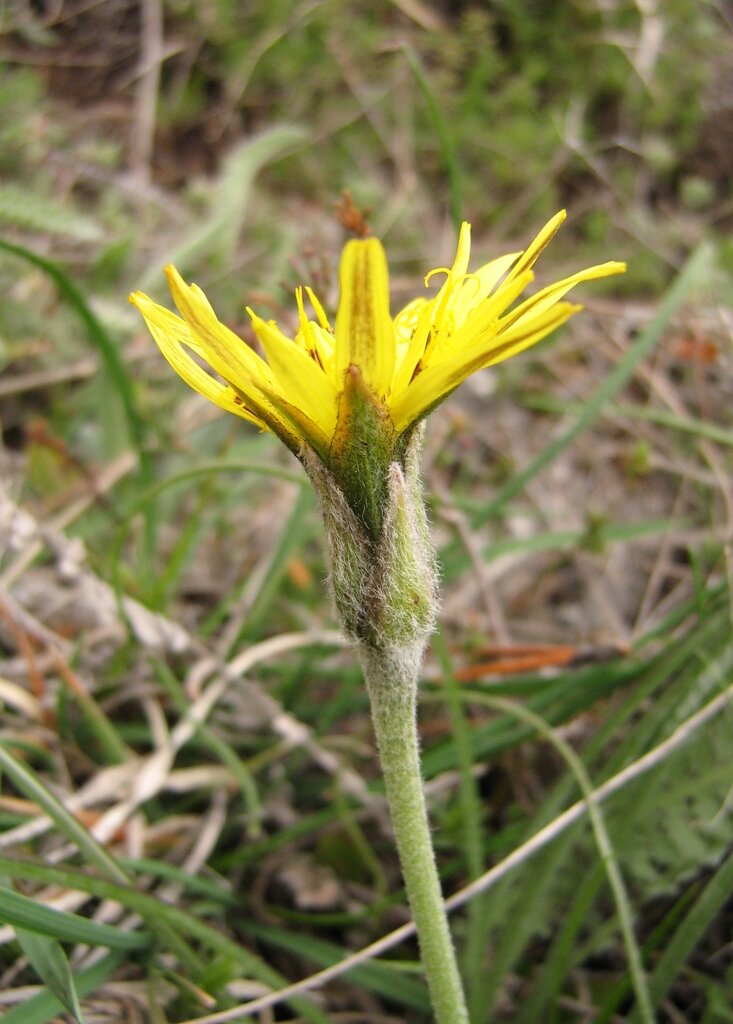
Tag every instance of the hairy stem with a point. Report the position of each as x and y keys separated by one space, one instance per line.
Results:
x=392 y=685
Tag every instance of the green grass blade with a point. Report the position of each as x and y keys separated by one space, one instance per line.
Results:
x=22 y=912
x=445 y=138
x=220 y=748
x=554 y=969
x=94 y=853
x=379 y=977
x=603 y=841
x=119 y=379
x=52 y=967
x=101 y=340
x=181 y=553
x=556 y=700
x=102 y=739
x=594 y=538
x=31 y=786
x=170 y=918
x=148 y=497
x=42 y=1008
x=293 y=532
x=660 y=417
x=33 y=211
x=706 y=908
x=476 y=937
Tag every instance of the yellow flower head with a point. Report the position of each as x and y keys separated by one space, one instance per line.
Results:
x=317 y=388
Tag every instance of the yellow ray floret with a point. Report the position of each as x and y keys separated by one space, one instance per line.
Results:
x=409 y=364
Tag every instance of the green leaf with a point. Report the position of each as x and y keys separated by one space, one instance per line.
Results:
x=171 y=921
x=25 y=913
x=50 y=964
x=31 y=786
x=110 y=355
x=45 y=1006
x=443 y=133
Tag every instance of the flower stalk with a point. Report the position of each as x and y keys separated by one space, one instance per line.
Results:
x=392 y=688
x=385 y=590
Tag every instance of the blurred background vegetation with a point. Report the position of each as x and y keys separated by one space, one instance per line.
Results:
x=581 y=495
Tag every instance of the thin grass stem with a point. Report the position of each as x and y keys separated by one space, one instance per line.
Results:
x=475 y=943
x=602 y=838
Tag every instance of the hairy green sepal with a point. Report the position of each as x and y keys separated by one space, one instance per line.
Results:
x=364 y=445
x=384 y=586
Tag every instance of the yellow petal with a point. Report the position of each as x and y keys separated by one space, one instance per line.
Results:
x=480 y=285
x=320 y=312
x=301 y=380
x=545 y=236
x=406 y=320
x=440 y=378
x=228 y=354
x=171 y=334
x=404 y=367
x=491 y=273
x=364 y=330
x=302 y=428
x=537 y=304
x=305 y=335
x=315 y=338
x=526 y=333
x=460 y=263
x=483 y=322
x=165 y=321
x=432 y=318
x=414 y=351
x=443 y=301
